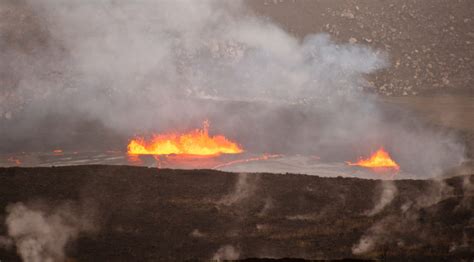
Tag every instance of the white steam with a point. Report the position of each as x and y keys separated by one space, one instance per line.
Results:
x=227 y=252
x=392 y=230
x=244 y=188
x=134 y=67
x=389 y=192
x=41 y=235
x=377 y=235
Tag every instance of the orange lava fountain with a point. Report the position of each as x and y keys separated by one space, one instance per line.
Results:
x=197 y=142
x=380 y=159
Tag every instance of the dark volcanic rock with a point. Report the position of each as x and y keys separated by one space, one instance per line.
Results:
x=146 y=214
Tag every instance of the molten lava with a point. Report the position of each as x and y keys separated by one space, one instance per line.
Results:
x=197 y=142
x=246 y=160
x=380 y=159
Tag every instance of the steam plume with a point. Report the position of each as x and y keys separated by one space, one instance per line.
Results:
x=389 y=191
x=124 y=67
x=245 y=187
x=227 y=252
x=40 y=234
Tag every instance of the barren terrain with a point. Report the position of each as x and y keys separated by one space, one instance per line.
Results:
x=147 y=214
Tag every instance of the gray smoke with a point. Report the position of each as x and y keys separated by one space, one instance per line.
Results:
x=95 y=70
x=393 y=230
x=389 y=192
x=468 y=192
x=40 y=233
x=371 y=239
x=244 y=188
x=225 y=253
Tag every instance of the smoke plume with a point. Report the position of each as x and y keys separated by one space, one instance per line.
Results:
x=389 y=191
x=227 y=252
x=102 y=71
x=394 y=231
x=40 y=233
x=245 y=187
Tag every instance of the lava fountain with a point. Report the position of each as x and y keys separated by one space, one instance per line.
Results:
x=379 y=160
x=196 y=143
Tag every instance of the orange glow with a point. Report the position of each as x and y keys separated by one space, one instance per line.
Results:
x=259 y=158
x=380 y=159
x=14 y=160
x=57 y=152
x=134 y=159
x=197 y=142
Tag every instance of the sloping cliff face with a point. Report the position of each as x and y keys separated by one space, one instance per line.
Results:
x=120 y=213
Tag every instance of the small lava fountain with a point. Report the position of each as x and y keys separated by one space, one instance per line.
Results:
x=379 y=160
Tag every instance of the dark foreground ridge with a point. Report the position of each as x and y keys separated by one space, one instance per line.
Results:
x=147 y=214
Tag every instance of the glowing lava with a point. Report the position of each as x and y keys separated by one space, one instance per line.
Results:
x=380 y=159
x=197 y=142
x=14 y=160
x=259 y=158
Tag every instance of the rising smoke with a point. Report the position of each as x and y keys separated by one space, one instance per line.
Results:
x=41 y=233
x=389 y=192
x=394 y=231
x=226 y=253
x=245 y=188
x=91 y=70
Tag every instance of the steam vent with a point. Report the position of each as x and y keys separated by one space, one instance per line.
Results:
x=236 y=130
